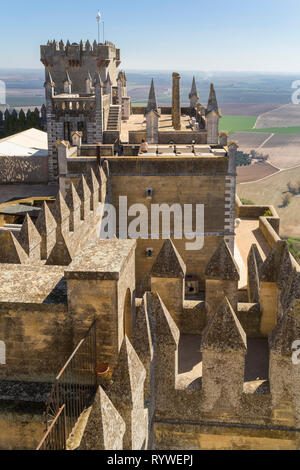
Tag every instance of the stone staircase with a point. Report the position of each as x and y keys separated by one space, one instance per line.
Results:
x=114 y=118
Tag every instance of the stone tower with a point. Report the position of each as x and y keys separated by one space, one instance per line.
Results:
x=80 y=82
x=79 y=60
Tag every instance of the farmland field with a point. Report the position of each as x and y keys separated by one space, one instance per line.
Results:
x=246 y=109
x=270 y=191
x=284 y=150
x=284 y=116
x=254 y=172
x=248 y=141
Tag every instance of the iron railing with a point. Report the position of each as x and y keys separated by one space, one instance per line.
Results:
x=55 y=437
x=72 y=391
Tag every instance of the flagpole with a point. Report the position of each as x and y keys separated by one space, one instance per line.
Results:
x=98 y=18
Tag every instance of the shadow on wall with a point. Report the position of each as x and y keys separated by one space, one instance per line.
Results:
x=32 y=169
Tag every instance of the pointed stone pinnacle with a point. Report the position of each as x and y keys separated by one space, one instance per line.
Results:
x=212 y=104
x=128 y=375
x=103 y=418
x=152 y=103
x=224 y=333
x=222 y=264
x=60 y=209
x=193 y=92
x=83 y=189
x=168 y=263
x=29 y=237
x=11 y=251
x=72 y=199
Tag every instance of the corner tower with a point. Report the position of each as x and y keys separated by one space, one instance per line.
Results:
x=76 y=96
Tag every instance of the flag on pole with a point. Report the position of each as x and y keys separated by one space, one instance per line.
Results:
x=98 y=17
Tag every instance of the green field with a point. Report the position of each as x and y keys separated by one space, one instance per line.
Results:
x=232 y=124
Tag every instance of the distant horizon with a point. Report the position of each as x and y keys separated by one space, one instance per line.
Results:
x=239 y=72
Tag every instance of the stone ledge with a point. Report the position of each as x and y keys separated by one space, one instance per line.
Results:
x=101 y=260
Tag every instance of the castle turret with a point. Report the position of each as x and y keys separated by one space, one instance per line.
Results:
x=212 y=117
x=79 y=59
x=152 y=117
x=193 y=96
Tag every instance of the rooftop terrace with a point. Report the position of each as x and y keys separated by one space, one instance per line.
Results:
x=137 y=122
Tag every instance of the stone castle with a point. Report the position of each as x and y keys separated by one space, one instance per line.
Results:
x=192 y=348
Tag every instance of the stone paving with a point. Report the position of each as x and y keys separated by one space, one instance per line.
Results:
x=247 y=234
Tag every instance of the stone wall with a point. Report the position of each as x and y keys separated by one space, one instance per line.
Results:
x=38 y=340
x=20 y=430
x=127 y=179
x=165 y=137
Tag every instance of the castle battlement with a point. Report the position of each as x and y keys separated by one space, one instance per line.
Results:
x=76 y=52
x=160 y=344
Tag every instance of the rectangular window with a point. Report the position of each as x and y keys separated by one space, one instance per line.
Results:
x=67 y=131
x=82 y=128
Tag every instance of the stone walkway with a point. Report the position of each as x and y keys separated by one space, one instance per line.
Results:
x=247 y=234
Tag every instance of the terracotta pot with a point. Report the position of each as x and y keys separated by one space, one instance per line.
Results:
x=102 y=370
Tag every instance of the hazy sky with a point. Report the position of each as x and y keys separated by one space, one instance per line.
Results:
x=234 y=35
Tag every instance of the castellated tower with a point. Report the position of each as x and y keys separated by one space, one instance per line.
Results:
x=80 y=60
x=81 y=86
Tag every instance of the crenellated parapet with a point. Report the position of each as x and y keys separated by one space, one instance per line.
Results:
x=62 y=228
x=76 y=52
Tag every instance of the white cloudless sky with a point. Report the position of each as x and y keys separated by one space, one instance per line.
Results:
x=225 y=35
